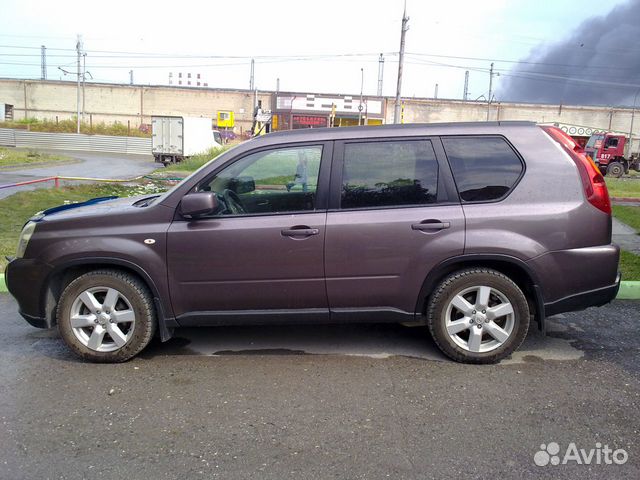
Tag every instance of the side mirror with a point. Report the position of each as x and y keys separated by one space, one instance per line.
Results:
x=198 y=204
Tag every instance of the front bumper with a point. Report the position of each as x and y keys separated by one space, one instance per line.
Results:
x=26 y=280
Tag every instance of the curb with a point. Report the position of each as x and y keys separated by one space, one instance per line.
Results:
x=625 y=199
x=629 y=290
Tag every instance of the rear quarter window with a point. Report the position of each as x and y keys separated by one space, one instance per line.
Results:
x=484 y=168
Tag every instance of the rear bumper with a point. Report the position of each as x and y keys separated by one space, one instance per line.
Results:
x=566 y=273
x=580 y=301
x=25 y=280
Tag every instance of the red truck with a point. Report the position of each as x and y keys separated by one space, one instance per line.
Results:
x=608 y=152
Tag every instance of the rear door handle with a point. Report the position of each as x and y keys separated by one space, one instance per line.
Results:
x=300 y=231
x=430 y=225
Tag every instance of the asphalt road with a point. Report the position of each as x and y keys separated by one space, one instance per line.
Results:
x=344 y=402
x=85 y=164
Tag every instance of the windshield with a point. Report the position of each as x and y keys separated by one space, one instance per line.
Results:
x=594 y=138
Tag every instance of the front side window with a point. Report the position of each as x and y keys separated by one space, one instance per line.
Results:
x=484 y=168
x=272 y=181
x=393 y=173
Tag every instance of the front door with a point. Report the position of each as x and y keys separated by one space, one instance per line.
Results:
x=262 y=252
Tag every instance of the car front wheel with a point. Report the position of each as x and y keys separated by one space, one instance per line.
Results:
x=478 y=316
x=106 y=316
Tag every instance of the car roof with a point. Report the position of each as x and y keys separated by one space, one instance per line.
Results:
x=391 y=130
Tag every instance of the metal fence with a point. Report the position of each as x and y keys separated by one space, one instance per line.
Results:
x=74 y=141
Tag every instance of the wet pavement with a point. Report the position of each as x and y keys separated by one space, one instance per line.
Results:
x=83 y=164
x=346 y=401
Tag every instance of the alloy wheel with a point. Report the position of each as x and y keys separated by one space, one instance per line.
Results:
x=479 y=319
x=102 y=319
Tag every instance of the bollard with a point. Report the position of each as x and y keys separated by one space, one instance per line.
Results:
x=56 y=182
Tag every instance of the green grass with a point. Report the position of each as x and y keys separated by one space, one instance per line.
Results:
x=629 y=262
x=628 y=215
x=629 y=265
x=71 y=126
x=623 y=187
x=10 y=157
x=194 y=162
x=18 y=208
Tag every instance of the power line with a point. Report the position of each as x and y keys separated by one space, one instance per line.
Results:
x=523 y=62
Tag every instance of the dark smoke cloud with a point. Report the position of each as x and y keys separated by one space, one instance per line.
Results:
x=611 y=41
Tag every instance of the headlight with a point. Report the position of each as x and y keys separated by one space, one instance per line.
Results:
x=25 y=236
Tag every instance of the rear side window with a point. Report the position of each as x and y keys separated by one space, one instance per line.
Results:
x=381 y=174
x=484 y=168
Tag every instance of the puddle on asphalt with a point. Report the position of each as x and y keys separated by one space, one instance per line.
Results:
x=377 y=341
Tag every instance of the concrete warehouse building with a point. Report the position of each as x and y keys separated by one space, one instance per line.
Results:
x=134 y=105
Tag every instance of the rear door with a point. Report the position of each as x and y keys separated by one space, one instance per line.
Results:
x=394 y=215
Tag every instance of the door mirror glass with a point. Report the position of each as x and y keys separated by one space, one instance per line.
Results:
x=198 y=204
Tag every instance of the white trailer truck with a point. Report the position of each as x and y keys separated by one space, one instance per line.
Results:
x=175 y=138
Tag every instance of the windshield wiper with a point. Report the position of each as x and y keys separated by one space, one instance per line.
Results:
x=145 y=202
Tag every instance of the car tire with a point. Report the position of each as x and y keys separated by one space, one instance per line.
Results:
x=106 y=316
x=615 y=169
x=478 y=315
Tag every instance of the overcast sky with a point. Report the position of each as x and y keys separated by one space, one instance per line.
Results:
x=487 y=29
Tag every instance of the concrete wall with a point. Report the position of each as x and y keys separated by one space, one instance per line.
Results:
x=136 y=104
x=124 y=103
x=433 y=110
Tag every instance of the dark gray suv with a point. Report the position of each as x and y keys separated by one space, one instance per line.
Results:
x=472 y=229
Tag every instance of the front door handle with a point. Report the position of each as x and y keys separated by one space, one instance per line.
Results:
x=430 y=225
x=300 y=231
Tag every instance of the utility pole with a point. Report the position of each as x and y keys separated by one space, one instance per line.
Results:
x=130 y=77
x=360 y=107
x=277 y=85
x=435 y=93
x=405 y=27
x=78 y=49
x=251 y=77
x=490 y=86
x=380 y=74
x=465 y=94
x=84 y=76
x=43 y=62
x=633 y=114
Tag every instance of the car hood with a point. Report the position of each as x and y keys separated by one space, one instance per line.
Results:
x=94 y=207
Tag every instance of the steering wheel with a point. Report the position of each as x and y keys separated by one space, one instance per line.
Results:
x=233 y=202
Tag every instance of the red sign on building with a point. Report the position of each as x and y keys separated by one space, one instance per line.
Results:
x=308 y=121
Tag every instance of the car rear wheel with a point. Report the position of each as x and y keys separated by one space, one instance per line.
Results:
x=106 y=316
x=478 y=316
